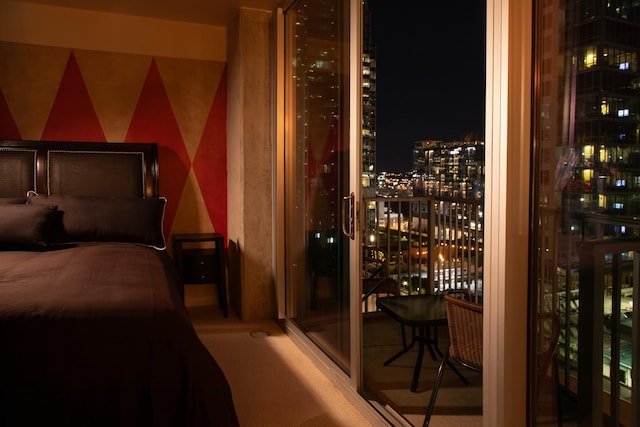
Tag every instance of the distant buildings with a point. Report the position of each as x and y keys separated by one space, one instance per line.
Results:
x=450 y=169
x=390 y=184
x=454 y=169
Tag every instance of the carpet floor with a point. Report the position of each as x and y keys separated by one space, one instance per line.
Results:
x=272 y=381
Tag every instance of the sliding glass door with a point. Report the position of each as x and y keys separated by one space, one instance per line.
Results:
x=318 y=209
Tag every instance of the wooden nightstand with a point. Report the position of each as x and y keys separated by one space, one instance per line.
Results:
x=200 y=259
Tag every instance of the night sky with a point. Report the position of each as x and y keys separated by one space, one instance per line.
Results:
x=430 y=75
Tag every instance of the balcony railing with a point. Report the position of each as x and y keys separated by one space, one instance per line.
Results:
x=427 y=244
x=608 y=332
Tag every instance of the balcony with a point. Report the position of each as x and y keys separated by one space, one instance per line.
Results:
x=426 y=245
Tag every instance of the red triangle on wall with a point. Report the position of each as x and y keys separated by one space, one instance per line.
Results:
x=210 y=162
x=72 y=116
x=8 y=127
x=153 y=121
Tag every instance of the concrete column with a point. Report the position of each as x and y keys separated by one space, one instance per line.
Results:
x=250 y=165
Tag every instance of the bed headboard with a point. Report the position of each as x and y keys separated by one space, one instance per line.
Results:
x=78 y=168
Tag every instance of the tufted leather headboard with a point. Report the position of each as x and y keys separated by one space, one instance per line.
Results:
x=78 y=168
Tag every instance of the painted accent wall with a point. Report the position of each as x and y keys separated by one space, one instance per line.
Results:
x=114 y=92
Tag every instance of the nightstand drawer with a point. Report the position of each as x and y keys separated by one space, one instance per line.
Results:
x=199 y=265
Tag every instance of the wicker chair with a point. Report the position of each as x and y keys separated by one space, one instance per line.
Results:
x=465 y=340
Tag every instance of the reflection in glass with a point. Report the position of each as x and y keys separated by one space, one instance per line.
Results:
x=317 y=172
x=587 y=210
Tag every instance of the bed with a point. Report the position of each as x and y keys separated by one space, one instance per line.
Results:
x=93 y=330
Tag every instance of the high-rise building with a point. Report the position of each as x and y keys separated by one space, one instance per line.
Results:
x=454 y=169
x=601 y=159
x=368 y=106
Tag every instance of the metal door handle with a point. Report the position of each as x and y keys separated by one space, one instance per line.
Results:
x=349 y=230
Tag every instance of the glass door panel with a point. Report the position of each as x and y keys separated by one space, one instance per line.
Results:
x=317 y=173
x=586 y=206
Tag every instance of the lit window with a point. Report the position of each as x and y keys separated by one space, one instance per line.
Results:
x=588 y=152
x=602 y=201
x=624 y=66
x=590 y=58
x=603 y=155
x=623 y=112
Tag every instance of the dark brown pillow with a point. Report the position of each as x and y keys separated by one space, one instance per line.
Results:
x=107 y=219
x=25 y=227
x=12 y=200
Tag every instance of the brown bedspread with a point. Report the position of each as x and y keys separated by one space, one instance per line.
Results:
x=97 y=335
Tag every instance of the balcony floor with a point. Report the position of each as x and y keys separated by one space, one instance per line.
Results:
x=390 y=384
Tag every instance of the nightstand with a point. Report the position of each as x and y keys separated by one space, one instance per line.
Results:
x=200 y=259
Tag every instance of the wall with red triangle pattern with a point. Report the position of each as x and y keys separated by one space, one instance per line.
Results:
x=51 y=93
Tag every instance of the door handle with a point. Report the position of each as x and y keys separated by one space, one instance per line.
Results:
x=348 y=230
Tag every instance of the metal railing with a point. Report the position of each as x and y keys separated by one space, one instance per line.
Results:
x=427 y=244
x=608 y=332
